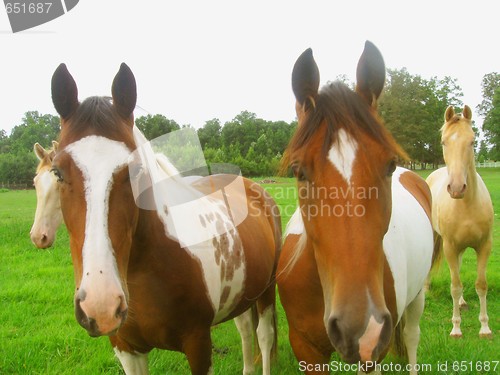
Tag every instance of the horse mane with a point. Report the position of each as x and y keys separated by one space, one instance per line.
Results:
x=97 y=115
x=340 y=107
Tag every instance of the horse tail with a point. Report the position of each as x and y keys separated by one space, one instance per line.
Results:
x=437 y=255
x=398 y=347
x=274 y=348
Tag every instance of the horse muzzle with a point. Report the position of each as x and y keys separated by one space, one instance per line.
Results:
x=360 y=342
x=100 y=317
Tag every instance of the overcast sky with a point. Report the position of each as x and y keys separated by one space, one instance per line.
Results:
x=198 y=60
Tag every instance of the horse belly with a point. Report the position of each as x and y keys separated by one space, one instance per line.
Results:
x=408 y=246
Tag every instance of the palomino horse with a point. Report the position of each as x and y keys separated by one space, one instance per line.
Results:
x=48 y=215
x=359 y=247
x=134 y=281
x=462 y=212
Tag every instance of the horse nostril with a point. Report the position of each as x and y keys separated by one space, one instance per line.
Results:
x=121 y=310
x=80 y=315
x=334 y=328
x=340 y=338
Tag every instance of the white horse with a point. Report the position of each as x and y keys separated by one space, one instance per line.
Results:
x=462 y=212
x=48 y=214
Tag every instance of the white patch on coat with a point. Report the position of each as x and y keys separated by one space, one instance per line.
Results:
x=295 y=224
x=342 y=154
x=133 y=363
x=408 y=244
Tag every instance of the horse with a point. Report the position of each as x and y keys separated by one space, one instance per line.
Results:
x=136 y=282
x=48 y=216
x=462 y=211
x=360 y=244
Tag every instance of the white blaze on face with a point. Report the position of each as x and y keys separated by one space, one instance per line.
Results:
x=47 y=196
x=98 y=158
x=369 y=340
x=342 y=154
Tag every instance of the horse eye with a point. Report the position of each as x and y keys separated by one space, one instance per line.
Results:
x=391 y=168
x=58 y=174
x=298 y=172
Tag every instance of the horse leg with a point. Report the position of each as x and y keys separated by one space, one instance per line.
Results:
x=244 y=324
x=133 y=363
x=483 y=254
x=266 y=328
x=456 y=288
x=198 y=349
x=411 y=331
x=461 y=302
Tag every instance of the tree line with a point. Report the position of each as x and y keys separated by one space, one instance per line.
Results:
x=411 y=107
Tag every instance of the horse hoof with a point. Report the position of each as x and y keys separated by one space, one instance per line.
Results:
x=456 y=335
x=486 y=335
x=464 y=307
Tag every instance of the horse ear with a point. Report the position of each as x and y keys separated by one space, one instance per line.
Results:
x=39 y=151
x=370 y=74
x=305 y=77
x=467 y=112
x=64 y=92
x=124 y=91
x=450 y=112
x=55 y=146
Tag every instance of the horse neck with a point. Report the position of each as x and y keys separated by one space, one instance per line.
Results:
x=471 y=181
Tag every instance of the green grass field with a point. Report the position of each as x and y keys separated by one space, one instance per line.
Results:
x=39 y=334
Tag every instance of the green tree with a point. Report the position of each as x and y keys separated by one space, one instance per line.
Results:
x=482 y=153
x=4 y=142
x=491 y=126
x=35 y=128
x=17 y=168
x=412 y=109
x=489 y=84
x=17 y=160
x=489 y=108
x=155 y=126
x=210 y=134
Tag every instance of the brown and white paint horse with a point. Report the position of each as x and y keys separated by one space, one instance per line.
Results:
x=48 y=215
x=134 y=282
x=462 y=212
x=359 y=247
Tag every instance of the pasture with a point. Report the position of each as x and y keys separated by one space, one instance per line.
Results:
x=39 y=333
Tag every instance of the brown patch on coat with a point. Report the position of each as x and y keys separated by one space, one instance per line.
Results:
x=417 y=187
